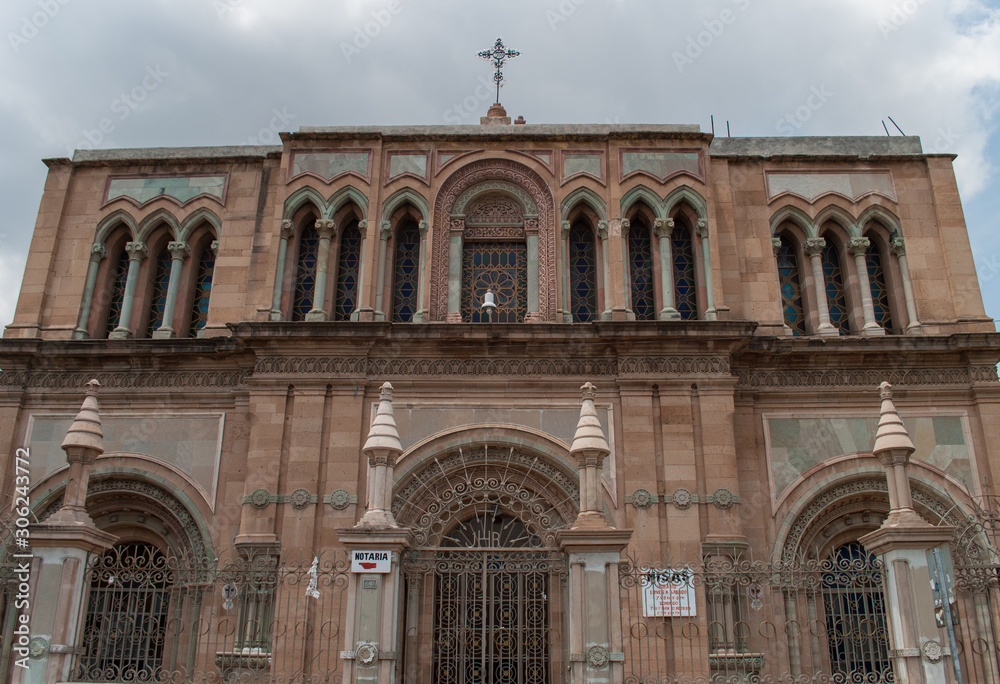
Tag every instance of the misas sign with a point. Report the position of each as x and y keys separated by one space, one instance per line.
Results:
x=668 y=593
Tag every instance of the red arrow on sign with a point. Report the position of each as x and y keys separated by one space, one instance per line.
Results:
x=367 y=566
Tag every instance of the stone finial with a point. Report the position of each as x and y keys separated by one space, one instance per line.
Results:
x=589 y=433
x=891 y=435
x=85 y=432
x=383 y=435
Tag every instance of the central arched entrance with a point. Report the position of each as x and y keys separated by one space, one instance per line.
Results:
x=484 y=590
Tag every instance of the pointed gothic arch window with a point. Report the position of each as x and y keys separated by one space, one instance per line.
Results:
x=879 y=287
x=406 y=273
x=158 y=297
x=582 y=273
x=305 y=274
x=117 y=299
x=348 y=273
x=685 y=285
x=640 y=267
x=836 y=294
x=790 y=285
x=202 y=291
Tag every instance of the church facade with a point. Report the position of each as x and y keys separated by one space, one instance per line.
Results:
x=320 y=457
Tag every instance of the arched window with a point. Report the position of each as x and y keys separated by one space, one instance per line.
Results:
x=117 y=298
x=685 y=286
x=877 y=282
x=836 y=295
x=202 y=291
x=406 y=274
x=158 y=298
x=305 y=275
x=501 y=268
x=126 y=620
x=789 y=283
x=582 y=273
x=348 y=271
x=640 y=266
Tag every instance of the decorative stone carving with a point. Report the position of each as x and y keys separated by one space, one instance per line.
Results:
x=178 y=250
x=642 y=499
x=815 y=246
x=367 y=654
x=597 y=657
x=682 y=499
x=932 y=651
x=723 y=498
x=38 y=647
x=898 y=246
x=602 y=230
x=136 y=251
x=300 y=498
x=287 y=229
x=260 y=499
x=776 y=245
x=494 y=233
x=663 y=227
x=856 y=377
x=98 y=253
x=496 y=187
x=127 y=379
x=494 y=210
x=701 y=227
x=857 y=246
x=339 y=499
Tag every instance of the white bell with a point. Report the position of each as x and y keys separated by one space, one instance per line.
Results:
x=489 y=301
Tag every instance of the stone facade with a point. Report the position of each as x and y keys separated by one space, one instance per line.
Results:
x=736 y=303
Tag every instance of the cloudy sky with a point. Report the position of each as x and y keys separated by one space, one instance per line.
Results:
x=225 y=72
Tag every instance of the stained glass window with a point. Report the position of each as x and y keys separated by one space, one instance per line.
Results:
x=202 y=291
x=407 y=274
x=117 y=292
x=880 y=292
x=161 y=280
x=685 y=288
x=305 y=275
x=836 y=297
x=640 y=263
x=791 y=290
x=582 y=274
x=348 y=270
x=501 y=268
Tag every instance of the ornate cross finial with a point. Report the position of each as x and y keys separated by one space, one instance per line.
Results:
x=498 y=55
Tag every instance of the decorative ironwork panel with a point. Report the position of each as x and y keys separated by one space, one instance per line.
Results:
x=406 y=275
x=640 y=268
x=685 y=287
x=880 y=292
x=500 y=267
x=202 y=291
x=348 y=272
x=791 y=289
x=117 y=293
x=836 y=297
x=582 y=274
x=158 y=301
x=305 y=275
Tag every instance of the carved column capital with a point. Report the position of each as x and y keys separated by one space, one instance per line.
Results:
x=531 y=225
x=136 y=251
x=363 y=226
x=423 y=227
x=565 y=226
x=776 y=245
x=287 y=229
x=858 y=245
x=898 y=246
x=626 y=224
x=178 y=250
x=326 y=228
x=98 y=253
x=457 y=224
x=815 y=246
x=214 y=247
x=662 y=227
x=702 y=228
x=602 y=230
x=385 y=230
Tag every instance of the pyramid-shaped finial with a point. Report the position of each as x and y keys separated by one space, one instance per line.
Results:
x=383 y=435
x=589 y=433
x=891 y=434
x=85 y=432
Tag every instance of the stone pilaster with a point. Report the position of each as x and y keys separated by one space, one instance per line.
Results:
x=97 y=255
x=287 y=231
x=136 y=253
x=858 y=248
x=421 y=312
x=567 y=307
x=899 y=249
x=664 y=228
x=457 y=228
x=326 y=230
x=814 y=249
x=384 y=233
x=711 y=313
x=179 y=251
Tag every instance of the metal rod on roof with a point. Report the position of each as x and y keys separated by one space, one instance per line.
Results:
x=728 y=134
x=712 y=116
x=885 y=127
x=897 y=126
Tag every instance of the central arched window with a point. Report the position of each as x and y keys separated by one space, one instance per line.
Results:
x=406 y=273
x=158 y=300
x=685 y=286
x=836 y=295
x=348 y=273
x=202 y=291
x=499 y=267
x=117 y=299
x=582 y=273
x=879 y=288
x=640 y=267
x=305 y=275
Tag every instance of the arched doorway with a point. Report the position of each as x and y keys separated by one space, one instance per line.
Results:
x=485 y=579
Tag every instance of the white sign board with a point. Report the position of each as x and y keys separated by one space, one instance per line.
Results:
x=668 y=593
x=371 y=561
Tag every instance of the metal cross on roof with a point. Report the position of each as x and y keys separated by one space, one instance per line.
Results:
x=498 y=55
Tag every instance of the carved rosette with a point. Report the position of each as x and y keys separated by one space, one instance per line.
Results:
x=486 y=171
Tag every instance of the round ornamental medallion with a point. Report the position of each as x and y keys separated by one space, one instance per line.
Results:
x=642 y=499
x=367 y=654
x=597 y=657
x=340 y=499
x=260 y=499
x=299 y=498
x=682 y=499
x=723 y=498
x=38 y=647
x=932 y=651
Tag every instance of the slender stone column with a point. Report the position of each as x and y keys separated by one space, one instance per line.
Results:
x=627 y=270
x=531 y=233
x=418 y=316
x=60 y=547
x=902 y=543
x=776 y=247
x=326 y=231
x=663 y=229
x=454 y=314
x=136 y=253
x=97 y=254
x=899 y=249
x=814 y=248
x=567 y=294
x=385 y=232
x=602 y=232
x=363 y=312
x=287 y=230
x=179 y=251
x=857 y=248
x=706 y=257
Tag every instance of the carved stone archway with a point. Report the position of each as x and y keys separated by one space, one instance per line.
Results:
x=494 y=175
